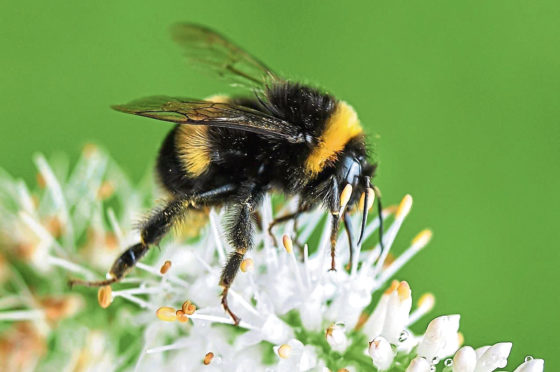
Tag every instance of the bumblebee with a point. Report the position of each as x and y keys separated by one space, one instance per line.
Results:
x=286 y=137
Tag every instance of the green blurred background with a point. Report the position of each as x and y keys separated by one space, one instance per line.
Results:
x=461 y=99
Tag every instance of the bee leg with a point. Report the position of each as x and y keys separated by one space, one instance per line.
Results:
x=302 y=208
x=240 y=236
x=348 y=227
x=334 y=235
x=153 y=230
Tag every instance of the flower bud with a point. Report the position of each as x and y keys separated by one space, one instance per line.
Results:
x=381 y=353
x=464 y=360
x=440 y=339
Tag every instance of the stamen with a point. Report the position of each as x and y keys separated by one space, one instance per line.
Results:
x=284 y=351
x=247 y=265
x=418 y=243
x=166 y=314
x=345 y=196
x=208 y=358
x=22 y=315
x=105 y=296
x=371 y=199
x=165 y=267
x=425 y=305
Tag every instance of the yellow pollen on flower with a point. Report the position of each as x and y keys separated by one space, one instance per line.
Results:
x=404 y=206
x=105 y=296
x=105 y=191
x=389 y=260
x=166 y=314
x=89 y=150
x=41 y=182
x=284 y=351
x=188 y=308
x=165 y=267
x=392 y=209
x=343 y=370
x=287 y=241
x=247 y=265
x=181 y=316
x=427 y=300
x=374 y=343
x=208 y=358
x=329 y=330
x=461 y=338
x=394 y=285
x=371 y=199
x=422 y=238
x=345 y=195
x=404 y=291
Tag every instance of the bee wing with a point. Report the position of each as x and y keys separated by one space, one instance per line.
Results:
x=196 y=112
x=213 y=51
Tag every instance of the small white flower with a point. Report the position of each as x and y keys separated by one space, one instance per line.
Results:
x=441 y=338
x=493 y=357
x=531 y=365
x=398 y=309
x=336 y=337
x=381 y=353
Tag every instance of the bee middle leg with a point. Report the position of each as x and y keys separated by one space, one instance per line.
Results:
x=240 y=235
x=302 y=208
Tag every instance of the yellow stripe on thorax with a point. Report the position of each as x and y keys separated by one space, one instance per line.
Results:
x=341 y=127
x=192 y=144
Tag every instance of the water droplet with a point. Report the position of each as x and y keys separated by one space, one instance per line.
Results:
x=448 y=362
x=528 y=358
x=435 y=360
x=403 y=336
x=433 y=368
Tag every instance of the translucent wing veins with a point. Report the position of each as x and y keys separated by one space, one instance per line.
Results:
x=196 y=112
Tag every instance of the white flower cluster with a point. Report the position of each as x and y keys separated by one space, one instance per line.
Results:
x=296 y=315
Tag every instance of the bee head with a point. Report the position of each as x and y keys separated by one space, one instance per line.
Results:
x=355 y=170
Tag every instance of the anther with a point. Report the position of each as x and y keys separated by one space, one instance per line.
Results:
x=165 y=267
x=105 y=296
x=403 y=291
x=422 y=238
x=284 y=351
x=166 y=313
x=208 y=358
x=404 y=206
x=188 y=308
x=181 y=316
x=427 y=300
x=394 y=285
x=247 y=265
x=345 y=195
x=287 y=241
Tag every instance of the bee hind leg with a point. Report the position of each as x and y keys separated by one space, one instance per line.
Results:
x=154 y=229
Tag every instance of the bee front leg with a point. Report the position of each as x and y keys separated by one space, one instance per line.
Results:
x=240 y=235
